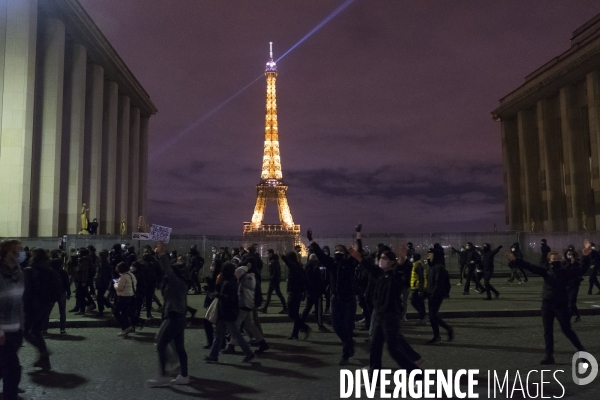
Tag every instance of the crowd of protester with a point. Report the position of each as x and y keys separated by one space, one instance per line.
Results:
x=381 y=283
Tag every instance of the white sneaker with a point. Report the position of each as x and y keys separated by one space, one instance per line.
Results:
x=181 y=380
x=159 y=381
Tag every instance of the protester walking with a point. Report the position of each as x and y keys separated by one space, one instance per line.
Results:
x=173 y=326
x=12 y=287
x=343 y=301
x=387 y=315
x=274 y=282
x=125 y=307
x=555 y=301
x=438 y=288
x=228 y=311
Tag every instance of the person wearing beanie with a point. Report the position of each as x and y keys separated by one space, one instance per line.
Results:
x=296 y=287
x=343 y=300
x=555 y=301
x=462 y=262
x=274 y=282
x=387 y=311
x=438 y=288
x=545 y=250
x=473 y=260
x=487 y=258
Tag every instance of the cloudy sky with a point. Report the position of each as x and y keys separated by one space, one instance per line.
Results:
x=384 y=112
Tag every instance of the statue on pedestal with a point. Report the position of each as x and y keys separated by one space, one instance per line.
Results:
x=123 y=227
x=84 y=220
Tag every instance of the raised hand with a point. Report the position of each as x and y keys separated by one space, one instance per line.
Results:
x=358 y=227
x=309 y=235
x=354 y=253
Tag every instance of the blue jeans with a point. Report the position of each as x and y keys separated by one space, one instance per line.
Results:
x=343 y=312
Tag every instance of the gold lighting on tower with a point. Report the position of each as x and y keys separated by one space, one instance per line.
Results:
x=271 y=186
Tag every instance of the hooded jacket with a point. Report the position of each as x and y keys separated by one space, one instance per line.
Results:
x=246 y=287
x=387 y=289
x=342 y=273
x=175 y=292
x=296 y=278
x=274 y=269
x=228 y=300
x=556 y=281
x=487 y=258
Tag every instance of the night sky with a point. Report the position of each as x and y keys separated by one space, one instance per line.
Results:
x=384 y=112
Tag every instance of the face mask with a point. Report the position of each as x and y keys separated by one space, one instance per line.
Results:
x=383 y=264
x=412 y=259
x=339 y=256
x=513 y=249
x=462 y=249
x=214 y=250
x=569 y=256
x=555 y=264
x=22 y=256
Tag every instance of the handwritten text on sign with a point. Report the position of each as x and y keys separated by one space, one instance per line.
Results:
x=161 y=233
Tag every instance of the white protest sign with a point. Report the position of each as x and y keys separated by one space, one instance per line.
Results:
x=161 y=233
x=141 y=236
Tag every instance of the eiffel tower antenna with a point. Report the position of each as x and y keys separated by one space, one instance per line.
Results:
x=271 y=186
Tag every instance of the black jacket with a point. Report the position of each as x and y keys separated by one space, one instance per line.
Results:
x=435 y=288
x=228 y=300
x=387 y=288
x=545 y=251
x=296 y=282
x=274 y=269
x=104 y=276
x=556 y=281
x=487 y=259
x=462 y=256
x=314 y=280
x=342 y=273
x=472 y=255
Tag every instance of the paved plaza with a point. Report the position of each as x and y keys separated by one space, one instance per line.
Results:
x=515 y=300
x=93 y=363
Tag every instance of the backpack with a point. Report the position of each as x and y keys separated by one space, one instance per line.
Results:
x=47 y=284
x=444 y=282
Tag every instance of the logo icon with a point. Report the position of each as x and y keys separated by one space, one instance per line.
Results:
x=581 y=364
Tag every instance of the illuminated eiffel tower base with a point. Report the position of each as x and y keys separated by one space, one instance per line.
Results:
x=271 y=186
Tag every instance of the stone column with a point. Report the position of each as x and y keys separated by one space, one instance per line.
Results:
x=73 y=136
x=144 y=122
x=93 y=137
x=3 y=15
x=123 y=159
x=134 y=168
x=529 y=158
x=512 y=173
x=109 y=157
x=48 y=192
x=576 y=157
x=17 y=117
x=593 y=101
x=550 y=148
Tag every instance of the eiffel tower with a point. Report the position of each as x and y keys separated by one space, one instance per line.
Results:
x=271 y=186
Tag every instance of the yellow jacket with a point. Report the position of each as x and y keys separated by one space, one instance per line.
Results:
x=418 y=269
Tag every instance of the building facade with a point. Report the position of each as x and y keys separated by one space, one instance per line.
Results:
x=74 y=124
x=551 y=141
